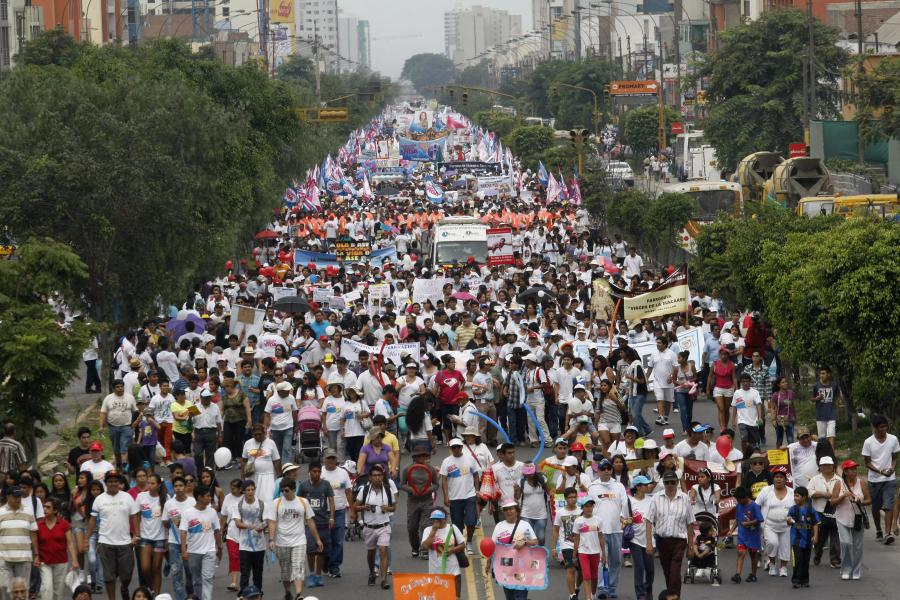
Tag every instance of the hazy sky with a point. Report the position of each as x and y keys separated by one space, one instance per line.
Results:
x=423 y=19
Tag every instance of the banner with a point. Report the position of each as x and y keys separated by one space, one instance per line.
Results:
x=282 y=292
x=350 y=251
x=424 y=586
x=426 y=150
x=302 y=258
x=671 y=296
x=523 y=569
x=379 y=257
x=500 y=246
x=690 y=340
x=471 y=166
x=350 y=350
x=727 y=480
x=429 y=289
x=246 y=320
x=494 y=186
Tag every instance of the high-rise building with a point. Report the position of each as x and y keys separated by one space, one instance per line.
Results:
x=19 y=23
x=365 y=44
x=469 y=32
x=317 y=32
x=348 y=43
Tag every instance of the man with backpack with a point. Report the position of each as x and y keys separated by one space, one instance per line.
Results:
x=419 y=481
x=376 y=501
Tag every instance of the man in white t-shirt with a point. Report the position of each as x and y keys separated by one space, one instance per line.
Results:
x=693 y=447
x=97 y=466
x=113 y=509
x=201 y=542
x=289 y=517
x=611 y=508
x=507 y=471
x=747 y=413
x=633 y=264
x=178 y=502
x=663 y=374
x=880 y=452
x=280 y=418
x=460 y=479
x=802 y=455
x=376 y=501
x=343 y=496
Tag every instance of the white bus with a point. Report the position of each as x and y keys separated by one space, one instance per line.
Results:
x=455 y=240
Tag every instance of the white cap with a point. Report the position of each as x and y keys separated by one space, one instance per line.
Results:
x=668 y=433
x=570 y=461
x=456 y=442
x=579 y=386
x=650 y=445
x=530 y=356
x=826 y=460
x=284 y=386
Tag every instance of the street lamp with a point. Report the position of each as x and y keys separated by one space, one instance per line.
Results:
x=596 y=105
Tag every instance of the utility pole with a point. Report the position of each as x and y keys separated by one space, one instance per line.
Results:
x=646 y=66
x=577 y=33
x=677 y=20
x=316 y=55
x=813 y=109
x=661 y=107
x=860 y=146
x=628 y=44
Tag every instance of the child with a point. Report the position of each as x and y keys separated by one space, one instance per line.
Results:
x=803 y=519
x=704 y=547
x=564 y=536
x=147 y=435
x=589 y=546
x=747 y=519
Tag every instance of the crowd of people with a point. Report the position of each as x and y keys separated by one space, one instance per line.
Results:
x=446 y=429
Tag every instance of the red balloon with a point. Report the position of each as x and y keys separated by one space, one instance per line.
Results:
x=487 y=547
x=723 y=445
x=229 y=265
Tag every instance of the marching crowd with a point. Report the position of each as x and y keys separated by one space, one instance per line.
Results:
x=206 y=430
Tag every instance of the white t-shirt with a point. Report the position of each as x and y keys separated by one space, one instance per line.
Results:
x=588 y=530
x=534 y=501
x=263 y=454
x=565 y=520
x=775 y=510
x=408 y=390
x=683 y=449
x=639 y=508
x=633 y=265
x=564 y=480
x=171 y=516
x=118 y=409
x=200 y=526
x=332 y=408
x=503 y=532
x=746 y=402
x=114 y=514
x=610 y=505
x=281 y=411
x=98 y=470
x=880 y=455
x=507 y=478
x=162 y=408
x=250 y=540
x=435 y=553
x=290 y=518
x=352 y=427
x=151 y=517
x=340 y=483
x=168 y=362
x=663 y=363
x=458 y=471
x=227 y=511
x=377 y=500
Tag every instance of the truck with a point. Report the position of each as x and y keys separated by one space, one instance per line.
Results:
x=714 y=198
x=753 y=171
x=458 y=241
x=796 y=178
x=694 y=160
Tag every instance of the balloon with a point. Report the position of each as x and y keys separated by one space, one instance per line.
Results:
x=229 y=265
x=541 y=294
x=329 y=331
x=723 y=445
x=222 y=457
x=487 y=547
x=543 y=442
x=494 y=423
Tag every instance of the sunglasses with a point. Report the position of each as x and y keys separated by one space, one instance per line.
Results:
x=606 y=468
x=189 y=480
x=670 y=483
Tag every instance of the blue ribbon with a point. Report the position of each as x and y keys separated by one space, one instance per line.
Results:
x=494 y=423
x=533 y=417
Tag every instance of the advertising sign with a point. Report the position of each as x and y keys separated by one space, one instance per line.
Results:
x=500 y=247
x=633 y=88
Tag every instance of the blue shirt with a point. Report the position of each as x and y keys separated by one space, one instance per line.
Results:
x=805 y=519
x=749 y=536
x=250 y=382
x=711 y=347
x=319 y=328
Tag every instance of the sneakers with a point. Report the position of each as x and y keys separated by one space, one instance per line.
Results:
x=415 y=554
x=845 y=577
x=675 y=409
x=782 y=572
x=889 y=539
x=371 y=578
x=750 y=579
x=627 y=562
x=470 y=550
x=334 y=574
x=659 y=421
x=773 y=570
x=879 y=537
x=736 y=578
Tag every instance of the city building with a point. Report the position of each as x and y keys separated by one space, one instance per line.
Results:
x=364 y=44
x=317 y=33
x=469 y=33
x=19 y=23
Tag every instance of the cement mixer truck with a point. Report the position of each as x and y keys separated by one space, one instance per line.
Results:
x=797 y=178
x=753 y=172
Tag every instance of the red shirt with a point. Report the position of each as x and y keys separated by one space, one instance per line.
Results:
x=449 y=384
x=52 y=542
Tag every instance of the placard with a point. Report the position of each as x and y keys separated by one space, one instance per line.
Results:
x=500 y=246
x=350 y=350
x=424 y=586
x=351 y=251
x=352 y=296
x=522 y=569
x=429 y=289
x=321 y=295
x=282 y=292
x=246 y=321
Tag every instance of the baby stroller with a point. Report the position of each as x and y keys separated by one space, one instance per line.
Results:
x=355 y=529
x=706 y=569
x=309 y=434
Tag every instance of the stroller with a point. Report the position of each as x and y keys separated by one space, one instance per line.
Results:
x=706 y=569
x=309 y=434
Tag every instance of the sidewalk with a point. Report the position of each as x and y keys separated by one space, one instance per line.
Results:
x=73 y=402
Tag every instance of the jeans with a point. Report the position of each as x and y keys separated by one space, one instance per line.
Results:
x=336 y=555
x=181 y=577
x=53 y=581
x=851 y=551
x=540 y=528
x=205 y=448
x=636 y=408
x=829 y=536
x=283 y=439
x=613 y=561
x=120 y=438
x=800 y=565
x=252 y=562
x=686 y=408
x=643 y=572
x=784 y=432
x=516 y=424
x=515 y=594
x=203 y=569
x=92 y=378
x=10 y=571
x=94 y=562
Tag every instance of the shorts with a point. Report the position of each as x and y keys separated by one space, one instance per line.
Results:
x=568 y=558
x=120 y=438
x=464 y=512
x=117 y=562
x=826 y=429
x=883 y=493
x=324 y=535
x=234 y=556
x=749 y=434
x=590 y=566
x=160 y=546
x=610 y=427
x=446 y=411
x=726 y=392
x=666 y=394
x=377 y=538
x=747 y=548
x=291 y=562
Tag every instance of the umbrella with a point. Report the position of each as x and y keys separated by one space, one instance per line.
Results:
x=266 y=234
x=178 y=327
x=291 y=304
x=538 y=293
x=464 y=296
x=387 y=191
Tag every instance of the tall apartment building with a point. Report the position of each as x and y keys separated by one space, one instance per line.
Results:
x=364 y=36
x=18 y=24
x=317 y=32
x=469 y=32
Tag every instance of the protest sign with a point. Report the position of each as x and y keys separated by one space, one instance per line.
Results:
x=424 y=586
x=282 y=292
x=429 y=289
x=352 y=296
x=500 y=246
x=669 y=297
x=690 y=340
x=351 y=251
x=494 y=185
x=246 y=321
x=320 y=295
x=350 y=350
x=522 y=569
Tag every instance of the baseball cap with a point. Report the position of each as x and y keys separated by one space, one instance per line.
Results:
x=640 y=480
x=849 y=464
x=579 y=386
x=329 y=453
x=420 y=450
x=650 y=445
x=668 y=433
x=826 y=460
x=701 y=428
x=802 y=431
x=570 y=461
x=251 y=591
x=284 y=386
x=670 y=476
x=16 y=491
x=96 y=447
x=328 y=358
x=509 y=503
x=456 y=442
x=437 y=514
x=323 y=338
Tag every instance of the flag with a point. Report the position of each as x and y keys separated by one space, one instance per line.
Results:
x=433 y=192
x=348 y=188
x=453 y=123
x=542 y=174
x=553 y=189
x=576 y=192
x=563 y=190
x=367 y=189
x=290 y=196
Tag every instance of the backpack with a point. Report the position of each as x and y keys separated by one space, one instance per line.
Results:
x=417 y=490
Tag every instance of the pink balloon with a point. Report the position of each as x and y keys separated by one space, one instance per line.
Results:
x=723 y=445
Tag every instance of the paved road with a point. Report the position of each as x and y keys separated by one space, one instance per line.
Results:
x=879 y=574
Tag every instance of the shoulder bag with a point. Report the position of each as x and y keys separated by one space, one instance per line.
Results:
x=628 y=531
x=250 y=467
x=461 y=557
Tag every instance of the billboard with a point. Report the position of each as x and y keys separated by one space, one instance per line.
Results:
x=633 y=88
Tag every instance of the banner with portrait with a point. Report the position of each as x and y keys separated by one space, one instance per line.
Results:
x=424 y=150
x=522 y=569
x=500 y=246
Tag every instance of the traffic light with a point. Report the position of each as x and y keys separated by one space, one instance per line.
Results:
x=465 y=98
x=606 y=94
x=573 y=138
x=332 y=114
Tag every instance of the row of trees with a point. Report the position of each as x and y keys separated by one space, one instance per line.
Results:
x=828 y=286
x=150 y=166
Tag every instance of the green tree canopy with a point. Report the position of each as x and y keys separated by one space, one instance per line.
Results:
x=38 y=357
x=498 y=122
x=529 y=143
x=641 y=128
x=428 y=69
x=756 y=83
x=878 y=92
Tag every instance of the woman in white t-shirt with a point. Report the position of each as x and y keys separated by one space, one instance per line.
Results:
x=705 y=493
x=434 y=539
x=638 y=506
x=532 y=495
x=262 y=453
x=332 y=410
x=152 y=532
x=515 y=532
x=351 y=422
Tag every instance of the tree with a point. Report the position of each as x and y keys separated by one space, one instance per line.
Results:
x=38 y=357
x=877 y=91
x=641 y=129
x=832 y=296
x=476 y=75
x=668 y=215
x=529 y=143
x=428 y=69
x=53 y=47
x=561 y=159
x=625 y=213
x=756 y=82
x=498 y=122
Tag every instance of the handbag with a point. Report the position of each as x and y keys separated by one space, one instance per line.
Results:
x=250 y=467
x=461 y=557
x=628 y=530
x=828 y=520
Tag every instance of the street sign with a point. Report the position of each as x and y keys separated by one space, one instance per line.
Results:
x=633 y=88
x=323 y=115
x=797 y=149
x=677 y=128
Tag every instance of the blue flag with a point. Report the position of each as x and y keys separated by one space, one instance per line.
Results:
x=543 y=177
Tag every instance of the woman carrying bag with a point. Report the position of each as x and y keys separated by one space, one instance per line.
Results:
x=849 y=500
x=515 y=532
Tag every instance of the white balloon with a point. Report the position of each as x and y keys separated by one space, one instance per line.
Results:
x=329 y=331
x=310 y=598
x=541 y=294
x=222 y=457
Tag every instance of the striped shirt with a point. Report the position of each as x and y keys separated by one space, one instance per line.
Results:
x=670 y=518
x=16 y=527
